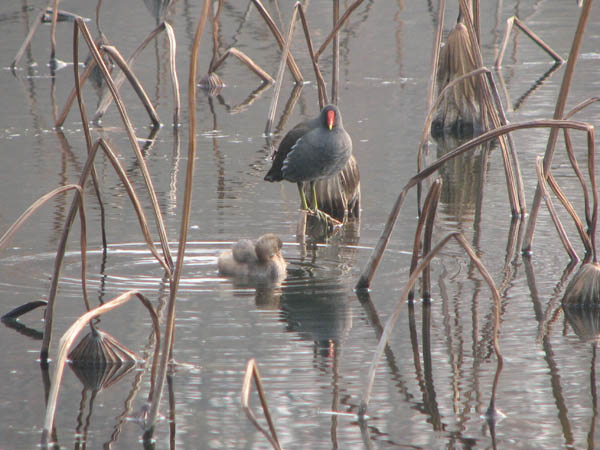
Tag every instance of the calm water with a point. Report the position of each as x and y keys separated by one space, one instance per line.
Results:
x=313 y=338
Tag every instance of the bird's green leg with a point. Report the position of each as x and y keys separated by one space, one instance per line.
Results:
x=304 y=204
x=320 y=214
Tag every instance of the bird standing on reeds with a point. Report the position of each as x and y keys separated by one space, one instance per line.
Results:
x=316 y=149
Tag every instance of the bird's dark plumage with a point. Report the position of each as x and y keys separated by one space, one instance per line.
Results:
x=311 y=151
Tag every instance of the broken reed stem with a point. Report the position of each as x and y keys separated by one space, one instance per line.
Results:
x=246 y=60
x=135 y=82
x=73 y=94
x=435 y=57
x=250 y=374
x=337 y=27
x=558 y=114
x=133 y=197
x=17 y=224
x=436 y=191
x=53 y=32
x=167 y=348
x=28 y=38
x=88 y=137
x=489 y=111
x=559 y=228
x=111 y=156
x=335 y=49
x=76 y=204
x=366 y=397
x=511 y=146
x=132 y=139
x=107 y=98
x=369 y=271
x=571 y=211
x=571 y=154
x=323 y=100
x=592 y=172
x=279 y=79
x=419 y=230
x=67 y=340
x=279 y=38
x=514 y=20
x=173 y=72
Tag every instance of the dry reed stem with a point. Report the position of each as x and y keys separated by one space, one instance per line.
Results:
x=67 y=340
x=14 y=228
x=559 y=228
x=571 y=211
x=173 y=72
x=514 y=20
x=107 y=98
x=434 y=191
x=558 y=114
x=246 y=60
x=14 y=314
x=133 y=197
x=53 y=32
x=592 y=173
x=503 y=121
x=73 y=94
x=375 y=258
x=366 y=396
x=279 y=82
x=167 y=349
x=337 y=27
x=435 y=57
x=250 y=374
x=28 y=38
x=571 y=154
x=279 y=38
x=132 y=140
x=335 y=66
x=323 y=99
x=133 y=79
x=111 y=156
x=489 y=112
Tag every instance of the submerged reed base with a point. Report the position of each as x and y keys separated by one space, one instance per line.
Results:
x=584 y=289
x=459 y=112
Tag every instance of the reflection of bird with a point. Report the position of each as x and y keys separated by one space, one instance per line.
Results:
x=313 y=150
x=318 y=312
x=260 y=261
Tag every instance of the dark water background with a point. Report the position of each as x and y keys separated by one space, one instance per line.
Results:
x=313 y=338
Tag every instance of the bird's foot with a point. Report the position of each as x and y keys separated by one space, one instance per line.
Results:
x=324 y=217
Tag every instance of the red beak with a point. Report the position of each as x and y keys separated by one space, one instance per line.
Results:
x=330 y=118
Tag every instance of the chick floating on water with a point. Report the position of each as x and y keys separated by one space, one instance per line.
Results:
x=260 y=261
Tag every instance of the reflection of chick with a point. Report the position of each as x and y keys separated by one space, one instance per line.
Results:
x=261 y=261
